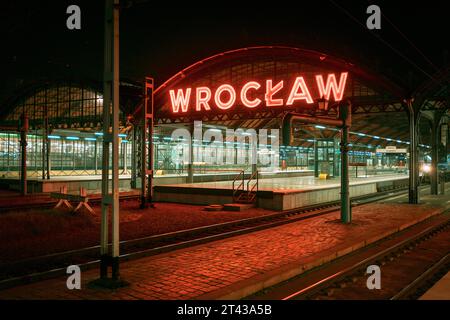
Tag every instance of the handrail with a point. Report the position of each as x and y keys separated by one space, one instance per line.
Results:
x=241 y=184
x=249 y=191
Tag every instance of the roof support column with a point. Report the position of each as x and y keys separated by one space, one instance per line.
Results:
x=110 y=200
x=435 y=128
x=23 y=128
x=147 y=146
x=346 y=208
x=413 y=151
x=190 y=166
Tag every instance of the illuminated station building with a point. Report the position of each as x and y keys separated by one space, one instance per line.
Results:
x=246 y=90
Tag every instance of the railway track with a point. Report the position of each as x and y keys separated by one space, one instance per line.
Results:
x=410 y=263
x=52 y=265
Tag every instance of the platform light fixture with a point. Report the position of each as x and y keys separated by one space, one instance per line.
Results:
x=72 y=138
x=322 y=103
x=320 y=127
x=53 y=137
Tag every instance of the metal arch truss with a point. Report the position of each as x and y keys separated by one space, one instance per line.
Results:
x=142 y=135
x=278 y=112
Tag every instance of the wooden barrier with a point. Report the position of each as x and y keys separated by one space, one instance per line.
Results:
x=65 y=197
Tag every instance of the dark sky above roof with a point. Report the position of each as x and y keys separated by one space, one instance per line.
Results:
x=160 y=40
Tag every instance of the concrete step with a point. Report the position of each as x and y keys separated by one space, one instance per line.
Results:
x=238 y=206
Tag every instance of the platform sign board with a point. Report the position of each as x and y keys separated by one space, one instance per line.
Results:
x=392 y=149
x=255 y=94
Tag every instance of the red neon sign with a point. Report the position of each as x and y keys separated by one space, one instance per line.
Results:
x=225 y=96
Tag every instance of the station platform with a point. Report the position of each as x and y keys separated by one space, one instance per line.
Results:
x=278 y=193
x=92 y=182
x=440 y=290
x=236 y=267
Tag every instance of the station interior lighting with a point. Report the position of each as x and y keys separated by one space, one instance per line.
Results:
x=426 y=168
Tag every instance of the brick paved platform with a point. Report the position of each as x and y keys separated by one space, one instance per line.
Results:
x=236 y=267
x=440 y=290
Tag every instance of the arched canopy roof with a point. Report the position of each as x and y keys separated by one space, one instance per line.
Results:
x=66 y=104
x=277 y=63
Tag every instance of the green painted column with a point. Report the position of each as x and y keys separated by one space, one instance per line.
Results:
x=346 y=209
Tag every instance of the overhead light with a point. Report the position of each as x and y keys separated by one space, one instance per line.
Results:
x=90 y=139
x=72 y=138
x=320 y=127
x=322 y=103
x=98 y=133
x=376 y=137
x=361 y=134
x=54 y=137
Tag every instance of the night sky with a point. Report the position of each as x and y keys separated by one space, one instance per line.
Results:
x=160 y=40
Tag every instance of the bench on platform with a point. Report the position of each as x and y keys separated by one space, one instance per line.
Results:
x=65 y=197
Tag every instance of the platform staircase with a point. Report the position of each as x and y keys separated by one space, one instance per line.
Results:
x=245 y=193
